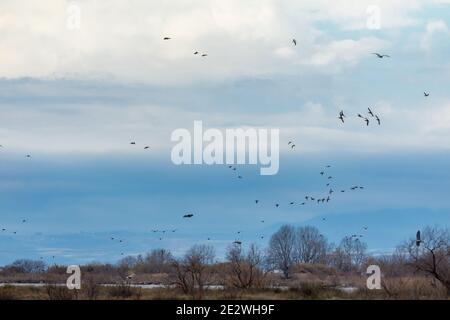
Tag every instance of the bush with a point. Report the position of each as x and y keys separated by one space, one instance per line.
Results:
x=57 y=292
x=124 y=290
x=8 y=293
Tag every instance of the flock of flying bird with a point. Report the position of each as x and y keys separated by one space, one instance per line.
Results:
x=324 y=198
x=342 y=116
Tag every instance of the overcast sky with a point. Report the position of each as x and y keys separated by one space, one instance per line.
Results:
x=81 y=79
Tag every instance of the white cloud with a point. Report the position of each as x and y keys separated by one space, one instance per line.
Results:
x=124 y=40
x=432 y=29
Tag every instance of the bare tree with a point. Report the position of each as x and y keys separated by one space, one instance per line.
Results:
x=191 y=270
x=350 y=254
x=311 y=246
x=281 y=252
x=28 y=266
x=244 y=267
x=157 y=261
x=431 y=255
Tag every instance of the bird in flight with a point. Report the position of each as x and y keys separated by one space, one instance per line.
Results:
x=378 y=120
x=204 y=55
x=341 y=116
x=133 y=142
x=196 y=52
x=146 y=147
x=418 y=240
x=237 y=242
x=365 y=119
x=167 y=38
x=294 y=41
x=426 y=94
x=256 y=201
x=189 y=215
x=381 y=56
x=28 y=156
x=370 y=112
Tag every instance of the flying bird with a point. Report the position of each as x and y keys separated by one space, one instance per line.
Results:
x=365 y=119
x=146 y=147
x=167 y=38
x=196 y=52
x=418 y=240
x=294 y=41
x=381 y=56
x=426 y=94
x=190 y=215
x=204 y=55
x=341 y=116
x=133 y=142
x=370 y=112
x=237 y=242
x=378 y=120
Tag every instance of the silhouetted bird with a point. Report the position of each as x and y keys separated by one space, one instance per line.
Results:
x=381 y=56
x=190 y=215
x=426 y=94
x=370 y=112
x=294 y=41
x=341 y=116
x=418 y=240
x=166 y=38
x=378 y=120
